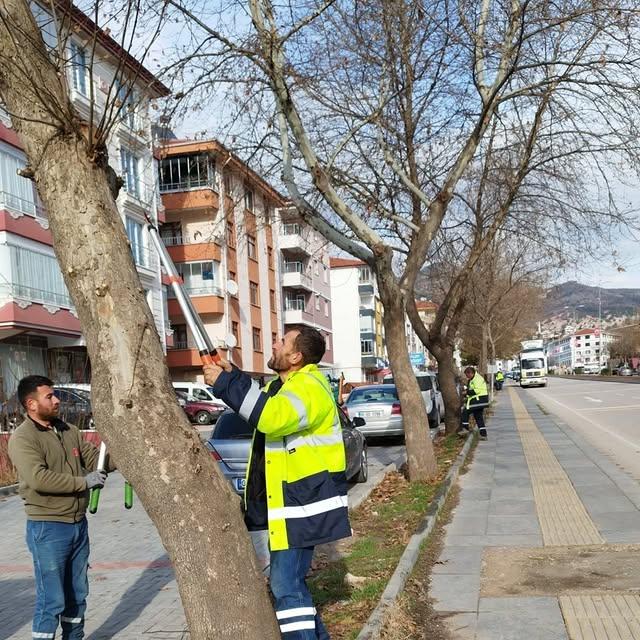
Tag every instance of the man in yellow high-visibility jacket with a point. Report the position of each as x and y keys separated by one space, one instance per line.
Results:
x=296 y=486
x=477 y=398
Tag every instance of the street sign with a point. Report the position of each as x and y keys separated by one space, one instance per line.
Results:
x=492 y=367
x=417 y=359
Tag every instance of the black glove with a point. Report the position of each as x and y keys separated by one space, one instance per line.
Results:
x=95 y=479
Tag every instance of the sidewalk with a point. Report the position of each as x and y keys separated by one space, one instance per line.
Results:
x=544 y=542
x=132 y=591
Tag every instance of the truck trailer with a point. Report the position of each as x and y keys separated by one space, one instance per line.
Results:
x=533 y=364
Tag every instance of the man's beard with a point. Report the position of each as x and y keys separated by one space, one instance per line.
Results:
x=274 y=365
x=43 y=414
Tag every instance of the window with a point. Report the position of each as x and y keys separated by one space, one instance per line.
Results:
x=235 y=330
x=171 y=233
x=270 y=257
x=79 y=68
x=257 y=339
x=317 y=303
x=200 y=278
x=134 y=233
x=180 y=336
x=268 y=214
x=231 y=235
x=130 y=164
x=228 y=183
x=291 y=229
x=251 y=247
x=274 y=338
x=272 y=299
x=128 y=98
x=186 y=172
x=248 y=199
x=294 y=302
x=37 y=277
x=325 y=273
x=316 y=268
x=327 y=340
x=366 y=347
x=365 y=275
x=254 y=296
x=232 y=275
x=47 y=25
x=17 y=193
x=326 y=308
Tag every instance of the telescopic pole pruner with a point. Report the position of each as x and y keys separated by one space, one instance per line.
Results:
x=208 y=353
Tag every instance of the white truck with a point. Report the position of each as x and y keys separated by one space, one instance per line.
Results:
x=533 y=364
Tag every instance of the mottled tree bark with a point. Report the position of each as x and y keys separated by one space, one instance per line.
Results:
x=191 y=504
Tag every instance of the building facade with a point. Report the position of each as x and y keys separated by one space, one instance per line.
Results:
x=218 y=230
x=305 y=290
x=586 y=348
x=39 y=329
x=357 y=316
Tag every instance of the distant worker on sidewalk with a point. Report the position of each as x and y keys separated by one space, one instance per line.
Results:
x=296 y=486
x=476 y=399
x=499 y=380
x=52 y=460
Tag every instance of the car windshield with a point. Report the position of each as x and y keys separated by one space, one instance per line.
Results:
x=534 y=363
x=424 y=382
x=373 y=394
x=230 y=426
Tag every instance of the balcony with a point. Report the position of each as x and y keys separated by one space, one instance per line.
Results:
x=291 y=239
x=293 y=275
x=184 y=248
x=182 y=357
x=365 y=288
x=205 y=299
x=191 y=199
x=144 y=258
x=30 y=295
x=18 y=207
x=138 y=195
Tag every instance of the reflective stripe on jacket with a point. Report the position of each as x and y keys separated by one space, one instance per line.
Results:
x=477 y=394
x=304 y=455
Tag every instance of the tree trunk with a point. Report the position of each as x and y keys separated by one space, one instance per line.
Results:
x=191 y=504
x=421 y=459
x=447 y=376
x=482 y=361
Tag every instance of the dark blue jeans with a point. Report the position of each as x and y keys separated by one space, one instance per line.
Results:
x=296 y=614
x=60 y=559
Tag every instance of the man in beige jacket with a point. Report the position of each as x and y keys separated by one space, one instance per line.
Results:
x=56 y=469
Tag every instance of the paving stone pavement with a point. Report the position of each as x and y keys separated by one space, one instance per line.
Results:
x=500 y=506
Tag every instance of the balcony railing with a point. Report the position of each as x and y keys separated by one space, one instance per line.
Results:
x=291 y=229
x=39 y=296
x=20 y=205
x=294 y=305
x=203 y=238
x=144 y=257
x=294 y=267
x=179 y=344
x=139 y=190
x=186 y=185
x=210 y=290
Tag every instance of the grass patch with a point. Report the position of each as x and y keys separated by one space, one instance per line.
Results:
x=8 y=473
x=347 y=590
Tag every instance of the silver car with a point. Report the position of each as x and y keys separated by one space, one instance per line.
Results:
x=379 y=406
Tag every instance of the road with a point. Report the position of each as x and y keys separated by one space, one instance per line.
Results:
x=605 y=413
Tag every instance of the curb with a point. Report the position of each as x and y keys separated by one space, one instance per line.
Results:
x=9 y=490
x=371 y=630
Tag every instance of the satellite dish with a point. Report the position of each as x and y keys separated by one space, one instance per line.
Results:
x=231 y=341
x=232 y=288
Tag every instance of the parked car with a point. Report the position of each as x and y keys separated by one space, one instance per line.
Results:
x=431 y=394
x=199 y=411
x=625 y=370
x=379 y=406
x=230 y=445
x=198 y=391
x=75 y=408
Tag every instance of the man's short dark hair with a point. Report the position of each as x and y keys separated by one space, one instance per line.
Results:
x=469 y=370
x=310 y=343
x=29 y=385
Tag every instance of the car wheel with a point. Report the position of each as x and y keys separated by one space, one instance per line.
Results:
x=363 y=474
x=203 y=417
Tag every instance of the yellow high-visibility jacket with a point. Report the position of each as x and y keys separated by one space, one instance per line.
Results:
x=477 y=393
x=304 y=455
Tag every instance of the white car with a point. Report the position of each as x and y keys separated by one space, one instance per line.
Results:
x=431 y=394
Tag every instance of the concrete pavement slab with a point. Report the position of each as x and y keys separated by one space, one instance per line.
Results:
x=459 y=560
x=455 y=592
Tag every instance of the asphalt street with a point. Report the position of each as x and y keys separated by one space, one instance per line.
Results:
x=606 y=414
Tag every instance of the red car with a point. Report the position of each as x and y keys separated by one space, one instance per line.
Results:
x=199 y=411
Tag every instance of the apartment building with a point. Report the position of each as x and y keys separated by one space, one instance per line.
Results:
x=39 y=329
x=305 y=277
x=218 y=230
x=586 y=348
x=357 y=314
